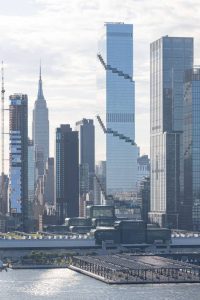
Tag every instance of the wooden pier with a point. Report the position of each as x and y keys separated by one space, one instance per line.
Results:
x=136 y=269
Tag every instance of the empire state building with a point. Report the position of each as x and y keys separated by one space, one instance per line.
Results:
x=40 y=126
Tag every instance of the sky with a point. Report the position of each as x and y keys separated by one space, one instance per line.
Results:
x=65 y=35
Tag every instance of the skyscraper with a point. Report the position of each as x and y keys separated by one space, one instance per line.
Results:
x=18 y=158
x=170 y=57
x=4 y=208
x=86 y=131
x=191 y=147
x=31 y=182
x=31 y=170
x=67 y=173
x=143 y=197
x=49 y=182
x=40 y=126
x=121 y=155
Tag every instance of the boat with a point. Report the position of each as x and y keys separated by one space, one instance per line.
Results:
x=3 y=266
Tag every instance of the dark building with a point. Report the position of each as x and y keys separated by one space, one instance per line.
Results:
x=39 y=162
x=78 y=222
x=79 y=225
x=123 y=232
x=143 y=168
x=131 y=231
x=31 y=184
x=161 y=235
x=49 y=182
x=18 y=159
x=86 y=130
x=4 y=204
x=2 y=223
x=190 y=209
x=101 y=215
x=169 y=58
x=49 y=215
x=67 y=173
x=110 y=234
x=144 y=198
x=101 y=211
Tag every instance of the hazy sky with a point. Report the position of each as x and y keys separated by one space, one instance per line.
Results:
x=64 y=34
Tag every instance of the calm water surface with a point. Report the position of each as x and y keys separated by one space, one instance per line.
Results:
x=60 y=284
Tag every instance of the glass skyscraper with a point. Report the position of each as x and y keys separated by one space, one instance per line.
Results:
x=170 y=57
x=121 y=154
x=86 y=131
x=31 y=184
x=18 y=158
x=31 y=171
x=191 y=143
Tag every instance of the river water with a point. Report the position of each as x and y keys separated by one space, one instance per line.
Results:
x=62 y=284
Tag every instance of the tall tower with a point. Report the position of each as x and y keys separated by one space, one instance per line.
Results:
x=66 y=173
x=18 y=159
x=170 y=57
x=191 y=145
x=121 y=156
x=40 y=126
x=86 y=130
x=2 y=193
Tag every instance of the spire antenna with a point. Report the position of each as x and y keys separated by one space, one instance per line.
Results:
x=40 y=90
x=40 y=71
x=2 y=133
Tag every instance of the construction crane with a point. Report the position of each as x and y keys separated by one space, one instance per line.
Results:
x=106 y=197
x=2 y=134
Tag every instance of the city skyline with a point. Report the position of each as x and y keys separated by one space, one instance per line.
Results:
x=100 y=149
x=67 y=60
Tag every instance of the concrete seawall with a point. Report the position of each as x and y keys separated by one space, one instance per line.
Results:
x=45 y=243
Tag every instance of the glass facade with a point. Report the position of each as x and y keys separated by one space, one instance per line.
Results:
x=191 y=142
x=86 y=131
x=31 y=171
x=18 y=156
x=121 y=156
x=169 y=58
x=31 y=184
